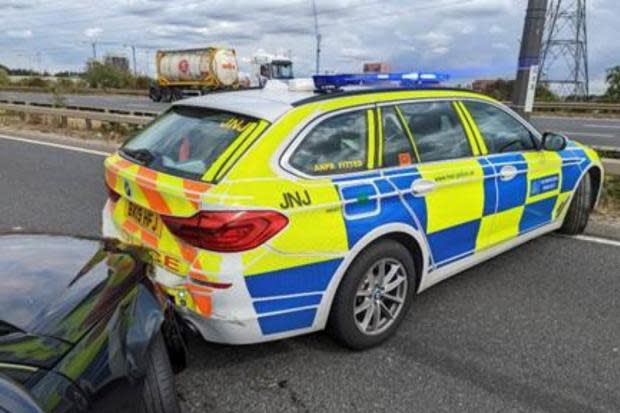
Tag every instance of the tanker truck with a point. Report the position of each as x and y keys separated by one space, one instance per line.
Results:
x=193 y=72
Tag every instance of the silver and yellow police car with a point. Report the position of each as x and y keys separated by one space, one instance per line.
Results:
x=294 y=208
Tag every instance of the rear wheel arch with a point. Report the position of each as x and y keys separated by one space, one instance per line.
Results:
x=402 y=233
x=414 y=248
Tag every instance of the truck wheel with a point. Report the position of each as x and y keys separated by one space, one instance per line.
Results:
x=166 y=95
x=177 y=94
x=578 y=213
x=154 y=94
x=374 y=296
x=159 y=392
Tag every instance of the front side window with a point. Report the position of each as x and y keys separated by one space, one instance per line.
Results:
x=187 y=141
x=337 y=145
x=501 y=131
x=437 y=131
x=397 y=148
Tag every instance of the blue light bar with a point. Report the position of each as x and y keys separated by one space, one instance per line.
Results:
x=327 y=83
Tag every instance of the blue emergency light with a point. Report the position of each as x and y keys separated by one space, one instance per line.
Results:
x=331 y=83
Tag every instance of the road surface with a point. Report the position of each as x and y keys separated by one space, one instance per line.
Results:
x=599 y=132
x=534 y=330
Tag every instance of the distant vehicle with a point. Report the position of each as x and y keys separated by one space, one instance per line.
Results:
x=201 y=71
x=193 y=71
x=83 y=329
x=267 y=66
x=286 y=210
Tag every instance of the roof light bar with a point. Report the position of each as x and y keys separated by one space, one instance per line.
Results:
x=329 y=83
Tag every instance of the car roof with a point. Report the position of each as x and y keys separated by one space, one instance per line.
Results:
x=264 y=104
x=272 y=103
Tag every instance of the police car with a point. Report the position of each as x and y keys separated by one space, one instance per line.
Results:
x=287 y=210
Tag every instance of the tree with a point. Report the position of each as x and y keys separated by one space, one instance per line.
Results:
x=613 y=82
x=4 y=77
x=99 y=75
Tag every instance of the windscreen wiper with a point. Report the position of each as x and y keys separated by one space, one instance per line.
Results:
x=143 y=156
x=8 y=328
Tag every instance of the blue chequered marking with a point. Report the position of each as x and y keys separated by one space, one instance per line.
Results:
x=390 y=209
x=574 y=160
x=490 y=187
x=454 y=242
x=365 y=196
x=297 y=280
x=417 y=204
x=280 y=323
x=279 y=304
x=545 y=184
x=537 y=214
x=513 y=193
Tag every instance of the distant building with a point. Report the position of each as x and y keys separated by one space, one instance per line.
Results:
x=377 y=67
x=119 y=62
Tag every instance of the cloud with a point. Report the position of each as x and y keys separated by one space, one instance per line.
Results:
x=93 y=32
x=469 y=38
x=19 y=34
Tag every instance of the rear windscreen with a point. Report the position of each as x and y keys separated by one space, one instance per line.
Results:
x=187 y=141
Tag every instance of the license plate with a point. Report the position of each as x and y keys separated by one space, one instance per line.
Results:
x=145 y=218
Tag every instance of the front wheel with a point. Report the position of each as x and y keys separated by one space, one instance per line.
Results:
x=578 y=213
x=159 y=392
x=374 y=296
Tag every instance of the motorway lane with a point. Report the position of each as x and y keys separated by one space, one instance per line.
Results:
x=534 y=330
x=96 y=101
x=50 y=189
x=599 y=132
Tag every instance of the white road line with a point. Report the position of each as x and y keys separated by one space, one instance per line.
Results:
x=570 y=118
x=596 y=240
x=55 y=145
x=594 y=135
x=603 y=126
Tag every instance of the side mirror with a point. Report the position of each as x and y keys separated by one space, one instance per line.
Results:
x=554 y=142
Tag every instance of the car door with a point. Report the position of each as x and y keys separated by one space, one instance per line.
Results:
x=445 y=190
x=527 y=179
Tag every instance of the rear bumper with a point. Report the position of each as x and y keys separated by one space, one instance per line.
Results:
x=232 y=317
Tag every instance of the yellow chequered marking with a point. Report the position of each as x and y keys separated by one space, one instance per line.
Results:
x=459 y=196
x=561 y=205
x=498 y=228
x=541 y=164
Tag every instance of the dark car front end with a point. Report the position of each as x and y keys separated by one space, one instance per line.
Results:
x=79 y=319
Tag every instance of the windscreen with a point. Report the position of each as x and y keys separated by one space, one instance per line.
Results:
x=187 y=141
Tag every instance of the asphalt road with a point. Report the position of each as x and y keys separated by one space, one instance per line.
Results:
x=599 y=132
x=534 y=330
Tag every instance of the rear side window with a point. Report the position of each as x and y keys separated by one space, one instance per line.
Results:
x=397 y=148
x=188 y=141
x=337 y=145
x=437 y=131
x=501 y=131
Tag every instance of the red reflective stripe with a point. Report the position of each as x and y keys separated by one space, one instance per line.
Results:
x=193 y=190
x=147 y=179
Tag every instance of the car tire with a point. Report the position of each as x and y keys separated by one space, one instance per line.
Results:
x=159 y=392
x=580 y=208
x=348 y=320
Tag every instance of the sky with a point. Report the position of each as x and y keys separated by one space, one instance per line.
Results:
x=470 y=39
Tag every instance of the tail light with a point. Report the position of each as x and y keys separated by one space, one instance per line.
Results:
x=112 y=194
x=227 y=231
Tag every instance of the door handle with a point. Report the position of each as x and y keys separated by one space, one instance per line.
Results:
x=422 y=187
x=508 y=172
